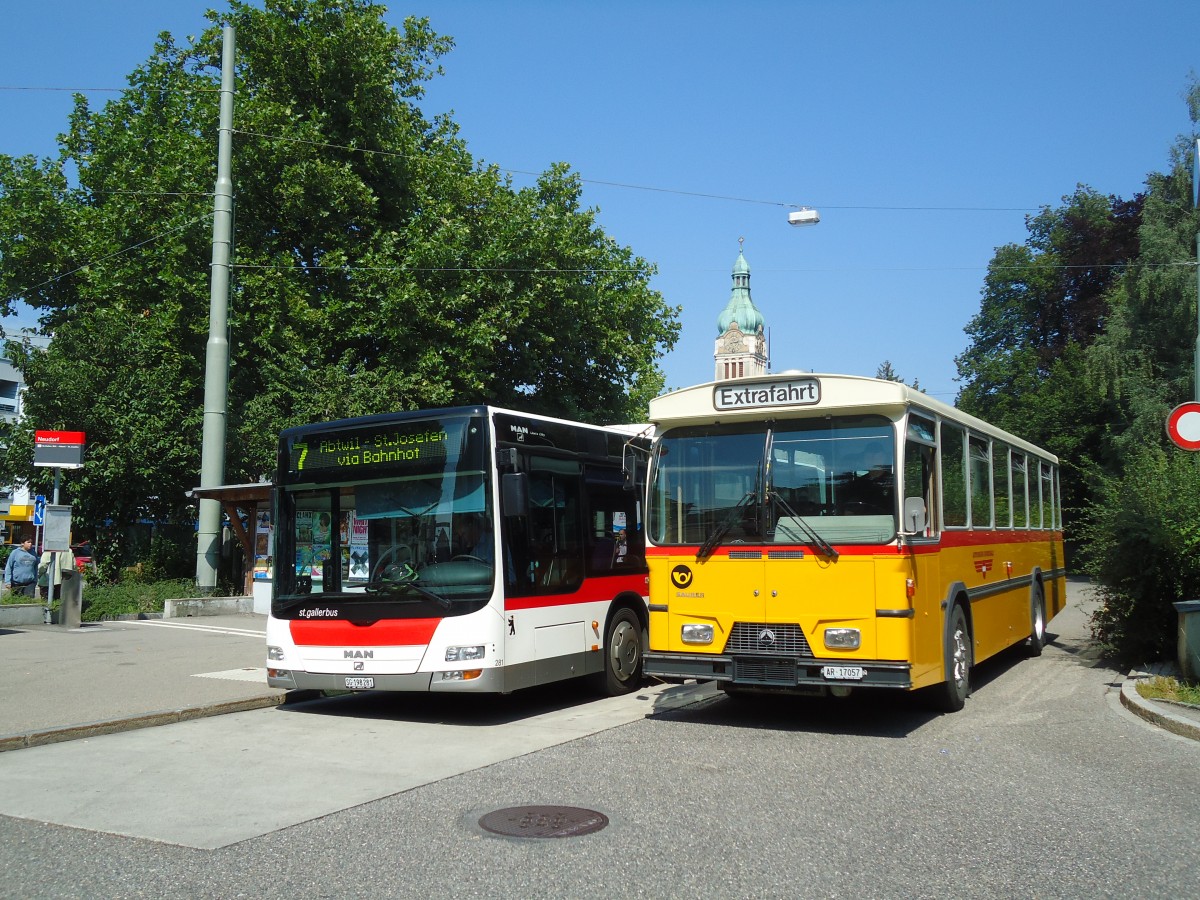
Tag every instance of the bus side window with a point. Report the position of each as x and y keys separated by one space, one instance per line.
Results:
x=1000 y=486
x=954 y=475
x=616 y=540
x=981 y=482
x=553 y=553
x=919 y=480
x=920 y=470
x=1020 y=491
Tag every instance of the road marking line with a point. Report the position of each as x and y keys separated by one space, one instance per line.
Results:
x=212 y=629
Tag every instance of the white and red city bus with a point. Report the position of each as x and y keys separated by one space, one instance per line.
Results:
x=467 y=549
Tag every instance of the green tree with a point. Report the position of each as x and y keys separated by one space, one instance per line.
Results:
x=377 y=264
x=1083 y=343
x=1140 y=531
x=1046 y=294
x=888 y=373
x=1044 y=303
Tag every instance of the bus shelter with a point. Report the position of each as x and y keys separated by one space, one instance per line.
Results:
x=247 y=509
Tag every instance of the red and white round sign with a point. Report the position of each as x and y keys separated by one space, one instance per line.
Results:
x=1183 y=425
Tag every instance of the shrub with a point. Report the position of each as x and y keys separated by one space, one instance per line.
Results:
x=170 y=556
x=1143 y=536
x=131 y=597
x=106 y=555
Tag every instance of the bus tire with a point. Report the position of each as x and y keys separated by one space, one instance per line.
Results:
x=624 y=642
x=951 y=694
x=1037 y=621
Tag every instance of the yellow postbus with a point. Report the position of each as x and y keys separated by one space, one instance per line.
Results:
x=816 y=533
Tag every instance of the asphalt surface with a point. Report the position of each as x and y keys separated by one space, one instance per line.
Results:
x=870 y=796
x=61 y=684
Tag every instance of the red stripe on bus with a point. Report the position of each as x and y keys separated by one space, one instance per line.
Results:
x=384 y=633
x=593 y=590
x=946 y=539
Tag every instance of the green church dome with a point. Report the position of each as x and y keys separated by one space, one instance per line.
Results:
x=741 y=308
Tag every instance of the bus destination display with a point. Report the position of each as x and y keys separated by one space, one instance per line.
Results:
x=362 y=448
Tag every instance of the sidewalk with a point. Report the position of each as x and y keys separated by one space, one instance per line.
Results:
x=1177 y=718
x=59 y=684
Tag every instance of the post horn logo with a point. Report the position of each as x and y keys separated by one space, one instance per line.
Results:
x=681 y=576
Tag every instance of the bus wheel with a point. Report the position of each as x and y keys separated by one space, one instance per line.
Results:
x=951 y=695
x=623 y=646
x=1037 y=618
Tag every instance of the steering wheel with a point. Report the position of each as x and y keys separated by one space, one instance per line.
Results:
x=389 y=569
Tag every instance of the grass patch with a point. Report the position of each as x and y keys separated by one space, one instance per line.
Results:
x=1166 y=688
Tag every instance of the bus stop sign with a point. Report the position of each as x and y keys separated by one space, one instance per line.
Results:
x=1183 y=425
x=58 y=449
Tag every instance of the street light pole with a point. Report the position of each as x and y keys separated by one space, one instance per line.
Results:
x=1195 y=204
x=216 y=358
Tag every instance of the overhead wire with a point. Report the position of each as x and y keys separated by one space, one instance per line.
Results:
x=107 y=257
x=542 y=270
x=661 y=190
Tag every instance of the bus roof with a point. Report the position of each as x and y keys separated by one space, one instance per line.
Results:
x=480 y=409
x=803 y=394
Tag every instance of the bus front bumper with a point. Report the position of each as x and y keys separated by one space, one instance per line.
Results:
x=486 y=681
x=780 y=672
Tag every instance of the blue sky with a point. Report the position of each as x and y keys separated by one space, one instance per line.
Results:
x=923 y=132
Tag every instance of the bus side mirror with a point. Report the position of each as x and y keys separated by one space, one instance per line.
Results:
x=630 y=461
x=514 y=494
x=914 y=515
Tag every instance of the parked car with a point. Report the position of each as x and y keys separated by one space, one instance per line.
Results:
x=83 y=556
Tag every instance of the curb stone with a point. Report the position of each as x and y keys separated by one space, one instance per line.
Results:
x=1155 y=712
x=130 y=723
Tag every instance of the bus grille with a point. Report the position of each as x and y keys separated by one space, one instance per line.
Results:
x=765 y=637
x=765 y=670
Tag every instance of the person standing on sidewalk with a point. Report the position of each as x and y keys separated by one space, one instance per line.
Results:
x=20 y=572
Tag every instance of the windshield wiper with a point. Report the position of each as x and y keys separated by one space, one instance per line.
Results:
x=813 y=537
x=395 y=587
x=723 y=526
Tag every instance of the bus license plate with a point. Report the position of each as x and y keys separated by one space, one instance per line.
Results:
x=359 y=684
x=843 y=673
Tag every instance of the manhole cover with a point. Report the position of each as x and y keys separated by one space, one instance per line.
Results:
x=543 y=821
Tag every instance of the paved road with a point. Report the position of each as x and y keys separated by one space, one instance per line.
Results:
x=1045 y=785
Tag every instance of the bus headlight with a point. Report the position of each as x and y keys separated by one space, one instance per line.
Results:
x=462 y=654
x=697 y=634
x=275 y=653
x=842 y=638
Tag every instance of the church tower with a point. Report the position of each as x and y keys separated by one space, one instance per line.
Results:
x=741 y=345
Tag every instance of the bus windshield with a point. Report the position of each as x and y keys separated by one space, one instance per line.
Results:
x=806 y=481
x=394 y=519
